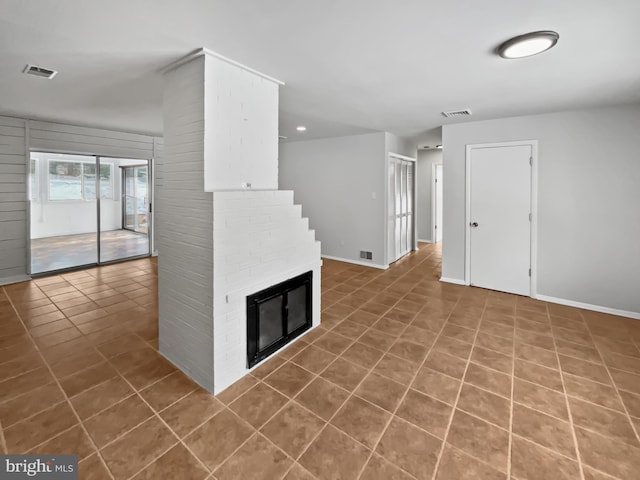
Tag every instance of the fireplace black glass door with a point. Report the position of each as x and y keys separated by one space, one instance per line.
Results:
x=277 y=315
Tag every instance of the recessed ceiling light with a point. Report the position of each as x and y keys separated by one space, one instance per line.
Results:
x=301 y=128
x=528 y=44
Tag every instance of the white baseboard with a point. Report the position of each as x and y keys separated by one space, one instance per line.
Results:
x=452 y=280
x=356 y=262
x=588 y=306
x=14 y=279
x=425 y=241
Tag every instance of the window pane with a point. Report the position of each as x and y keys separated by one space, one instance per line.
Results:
x=33 y=194
x=106 y=187
x=141 y=189
x=89 y=181
x=65 y=181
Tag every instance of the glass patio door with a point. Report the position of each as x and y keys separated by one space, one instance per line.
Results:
x=124 y=218
x=62 y=197
x=135 y=186
x=87 y=210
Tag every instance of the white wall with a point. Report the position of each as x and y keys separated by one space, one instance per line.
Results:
x=184 y=220
x=335 y=180
x=400 y=145
x=589 y=196
x=260 y=240
x=241 y=127
x=424 y=207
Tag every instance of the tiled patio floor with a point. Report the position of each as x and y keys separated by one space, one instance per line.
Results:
x=407 y=378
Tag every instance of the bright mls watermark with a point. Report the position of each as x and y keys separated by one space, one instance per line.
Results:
x=50 y=467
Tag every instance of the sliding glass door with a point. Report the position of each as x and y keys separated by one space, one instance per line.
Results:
x=64 y=227
x=135 y=186
x=124 y=218
x=78 y=205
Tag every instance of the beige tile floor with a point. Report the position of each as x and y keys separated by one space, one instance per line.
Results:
x=406 y=378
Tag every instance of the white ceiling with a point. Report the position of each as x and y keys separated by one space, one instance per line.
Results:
x=350 y=66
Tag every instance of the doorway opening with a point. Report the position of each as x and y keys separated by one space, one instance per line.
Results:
x=87 y=210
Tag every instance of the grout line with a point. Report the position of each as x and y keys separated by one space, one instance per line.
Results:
x=3 y=442
x=455 y=403
x=157 y=416
x=398 y=280
x=615 y=387
x=66 y=397
x=352 y=393
x=569 y=413
x=511 y=402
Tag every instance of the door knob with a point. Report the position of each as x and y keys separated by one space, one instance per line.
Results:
x=473 y=224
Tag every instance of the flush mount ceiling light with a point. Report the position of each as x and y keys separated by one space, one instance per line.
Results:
x=528 y=44
x=301 y=128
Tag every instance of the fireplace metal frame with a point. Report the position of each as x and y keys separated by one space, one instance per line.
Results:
x=254 y=355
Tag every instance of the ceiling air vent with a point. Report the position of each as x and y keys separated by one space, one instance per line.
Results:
x=457 y=113
x=39 y=71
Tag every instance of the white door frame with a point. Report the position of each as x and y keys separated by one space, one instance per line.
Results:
x=533 y=282
x=433 y=200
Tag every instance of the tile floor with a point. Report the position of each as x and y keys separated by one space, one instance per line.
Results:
x=407 y=378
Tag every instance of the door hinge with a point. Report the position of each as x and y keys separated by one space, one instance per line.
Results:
x=530 y=217
x=531 y=161
x=150 y=208
x=529 y=272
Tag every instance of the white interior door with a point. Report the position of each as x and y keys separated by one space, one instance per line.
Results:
x=438 y=207
x=500 y=222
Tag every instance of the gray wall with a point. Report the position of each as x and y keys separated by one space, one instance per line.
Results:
x=400 y=145
x=588 y=207
x=19 y=136
x=334 y=179
x=13 y=200
x=426 y=160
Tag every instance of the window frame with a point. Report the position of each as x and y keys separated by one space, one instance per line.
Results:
x=97 y=165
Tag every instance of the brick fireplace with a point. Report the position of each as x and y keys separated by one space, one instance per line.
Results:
x=224 y=230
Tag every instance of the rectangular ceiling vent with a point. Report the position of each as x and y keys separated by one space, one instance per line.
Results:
x=457 y=113
x=39 y=71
